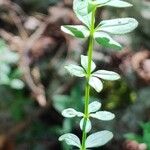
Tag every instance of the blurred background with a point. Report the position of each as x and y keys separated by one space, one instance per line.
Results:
x=35 y=88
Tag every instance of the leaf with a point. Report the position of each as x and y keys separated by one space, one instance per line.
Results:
x=94 y=106
x=146 y=132
x=4 y=79
x=118 y=3
x=79 y=31
x=75 y=70
x=106 y=75
x=8 y=56
x=84 y=63
x=71 y=139
x=118 y=26
x=91 y=6
x=16 y=84
x=112 y=3
x=96 y=83
x=100 y=3
x=134 y=137
x=98 y=139
x=105 y=40
x=4 y=68
x=88 y=125
x=70 y=113
x=80 y=8
x=96 y=3
x=103 y=115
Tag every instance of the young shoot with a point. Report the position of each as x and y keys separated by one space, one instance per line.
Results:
x=85 y=11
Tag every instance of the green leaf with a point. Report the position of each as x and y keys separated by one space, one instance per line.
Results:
x=112 y=3
x=84 y=63
x=16 y=84
x=146 y=132
x=75 y=70
x=131 y=136
x=99 y=3
x=4 y=79
x=88 y=125
x=103 y=115
x=118 y=26
x=4 y=68
x=79 y=31
x=8 y=57
x=71 y=139
x=105 y=40
x=96 y=83
x=94 y=106
x=91 y=6
x=80 y=8
x=118 y=3
x=98 y=139
x=70 y=113
x=106 y=75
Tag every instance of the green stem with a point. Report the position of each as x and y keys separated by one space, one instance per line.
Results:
x=87 y=87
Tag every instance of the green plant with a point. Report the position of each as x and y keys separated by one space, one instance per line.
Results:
x=7 y=59
x=85 y=10
x=144 y=138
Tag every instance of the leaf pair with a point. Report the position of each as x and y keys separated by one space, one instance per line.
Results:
x=97 y=84
x=102 y=31
x=94 y=80
x=93 y=112
x=113 y=27
x=94 y=140
x=83 y=10
x=7 y=58
x=80 y=71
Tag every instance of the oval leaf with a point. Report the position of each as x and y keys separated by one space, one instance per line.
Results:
x=79 y=31
x=4 y=79
x=16 y=84
x=94 y=106
x=105 y=40
x=106 y=75
x=80 y=8
x=118 y=3
x=84 y=63
x=75 y=70
x=103 y=115
x=118 y=26
x=71 y=139
x=69 y=113
x=80 y=114
x=88 y=125
x=98 y=139
x=4 y=68
x=96 y=83
x=9 y=57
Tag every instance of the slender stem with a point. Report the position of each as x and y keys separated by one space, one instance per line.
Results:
x=87 y=87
